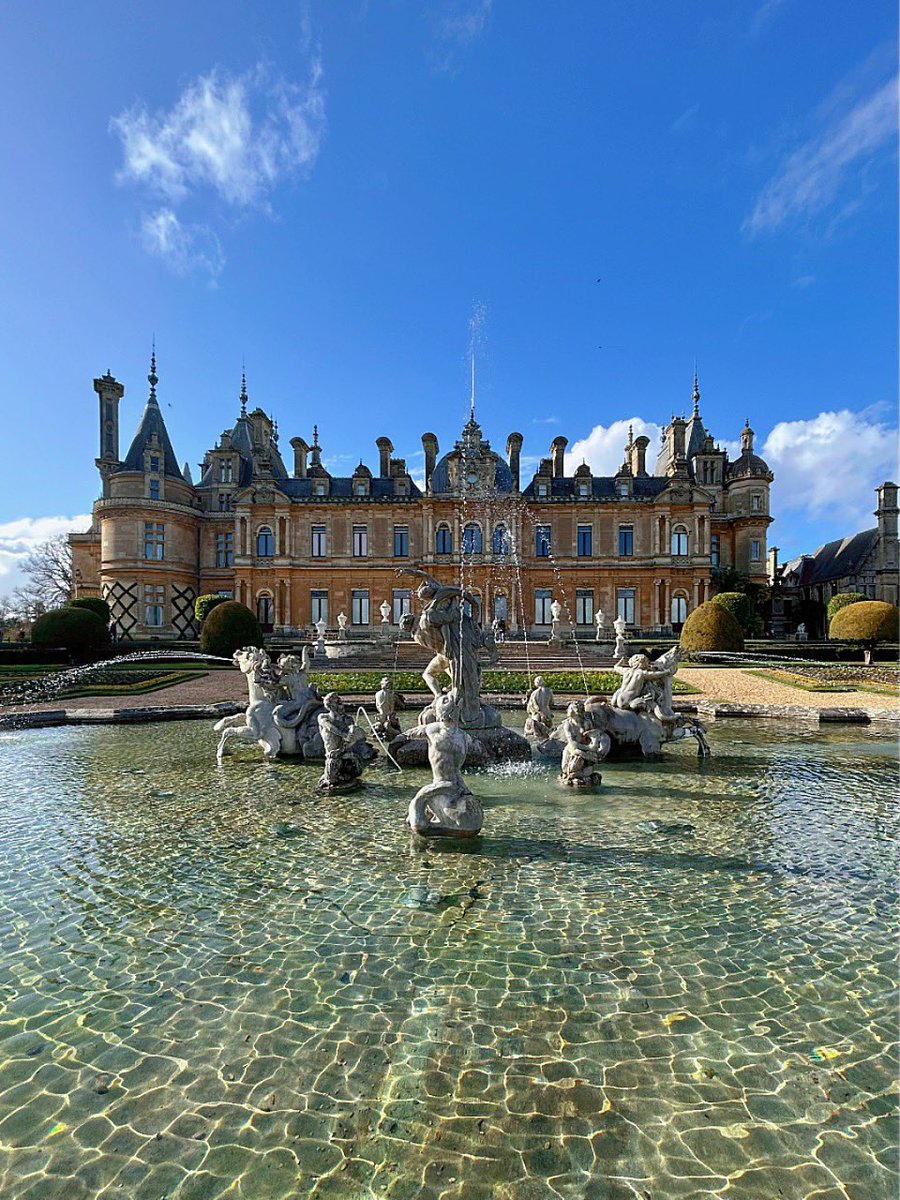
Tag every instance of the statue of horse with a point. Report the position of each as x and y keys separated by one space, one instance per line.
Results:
x=257 y=724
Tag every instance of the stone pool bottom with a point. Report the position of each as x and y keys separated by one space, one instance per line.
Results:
x=214 y=983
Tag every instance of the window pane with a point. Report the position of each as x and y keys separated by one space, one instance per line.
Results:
x=714 y=549
x=542 y=541
x=360 y=540
x=443 y=540
x=318 y=541
x=679 y=541
x=472 y=541
x=500 y=542
x=584 y=606
x=265 y=542
x=625 y=604
x=585 y=541
x=626 y=540
x=318 y=605
x=542 y=600
x=359 y=607
x=401 y=603
x=401 y=541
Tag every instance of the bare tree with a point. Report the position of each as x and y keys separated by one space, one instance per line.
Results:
x=49 y=575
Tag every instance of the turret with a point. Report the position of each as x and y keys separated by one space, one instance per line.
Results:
x=109 y=393
x=513 y=455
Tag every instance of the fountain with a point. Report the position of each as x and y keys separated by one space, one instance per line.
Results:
x=445 y=807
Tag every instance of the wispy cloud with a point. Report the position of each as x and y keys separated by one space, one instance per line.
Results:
x=21 y=537
x=763 y=15
x=545 y=420
x=680 y=121
x=803 y=281
x=458 y=23
x=819 y=171
x=227 y=138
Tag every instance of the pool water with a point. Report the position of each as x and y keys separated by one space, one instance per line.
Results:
x=215 y=983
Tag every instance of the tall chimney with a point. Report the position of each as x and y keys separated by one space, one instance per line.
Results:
x=639 y=457
x=430 y=446
x=301 y=450
x=513 y=454
x=385 y=449
x=557 y=454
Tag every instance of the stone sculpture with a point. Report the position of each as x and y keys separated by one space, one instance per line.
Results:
x=386 y=724
x=342 y=765
x=385 y=609
x=600 y=622
x=445 y=807
x=321 y=626
x=583 y=749
x=342 y=626
x=296 y=716
x=555 y=623
x=257 y=723
x=539 y=711
x=801 y=635
x=621 y=648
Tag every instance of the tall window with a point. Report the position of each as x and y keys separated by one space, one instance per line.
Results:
x=154 y=489
x=585 y=541
x=265 y=542
x=626 y=541
x=359 y=607
x=443 y=540
x=360 y=542
x=226 y=471
x=154 y=462
x=401 y=541
x=500 y=542
x=542 y=599
x=154 y=603
x=224 y=502
x=401 y=602
x=625 y=604
x=472 y=541
x=680 y=541
x=584 y=606
x=318 y=606
x=224 y=549
x=714 y=549
x=318 y=547
x=265 y=612
x=154 y=541
x=542 y=541
x=754 y=550
x=678 y=612
x=756 y=502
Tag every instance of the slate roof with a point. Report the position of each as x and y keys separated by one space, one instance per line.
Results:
x=152 y=422
x=342 y=487
x=835 y=560
x=603 y=487
x=440 y=479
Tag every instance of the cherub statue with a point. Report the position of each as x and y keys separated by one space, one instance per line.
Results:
x=539 y=711
x=446 y=806
x=646 y=686
x=583 y=749
x=386 y=724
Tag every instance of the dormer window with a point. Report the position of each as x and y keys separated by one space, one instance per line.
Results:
x=320 y=489
x=360 y=489
x=226 y=471
x=542 y=489
x=154 y=462
x=584 y=489
x=622 y=488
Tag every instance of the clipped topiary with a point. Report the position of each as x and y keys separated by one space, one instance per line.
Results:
x=841 y=600
x=204 y=605
x=229 y=627
x=868 y=622
x=73 y=629
x=712 y=627
x=739 y=605
x=94 y=604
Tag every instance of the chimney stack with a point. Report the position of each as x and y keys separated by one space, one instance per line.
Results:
x=301 y=450
x=385 y=449
x=430 y=446
x=513 y=454
x=557 y=454
x=639 y=455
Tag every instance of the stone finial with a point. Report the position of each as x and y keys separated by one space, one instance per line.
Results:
x=153 y=378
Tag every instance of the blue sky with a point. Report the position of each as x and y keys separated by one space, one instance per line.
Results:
x=331 y=190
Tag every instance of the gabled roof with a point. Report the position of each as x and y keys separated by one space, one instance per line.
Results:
x=834 y=560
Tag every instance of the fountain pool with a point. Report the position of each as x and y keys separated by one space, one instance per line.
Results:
x=215 y=982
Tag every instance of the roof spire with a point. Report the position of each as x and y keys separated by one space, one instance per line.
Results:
x=315 y=435
x=696 y=392
x=243 y=389
x=153 y=378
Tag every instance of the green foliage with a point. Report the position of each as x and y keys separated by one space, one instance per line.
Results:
x=73 y=629
x=93 y=604
x=504 y=683
x=739 y=605
x=726 y=581
x=712 y=627
x=866 y=621
x=229 y=627
x=841 y=600
x=204 y=605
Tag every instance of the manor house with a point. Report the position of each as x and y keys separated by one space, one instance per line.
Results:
x=301 y=544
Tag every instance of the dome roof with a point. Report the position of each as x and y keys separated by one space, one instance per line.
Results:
x=748 y=463
x=440 y=479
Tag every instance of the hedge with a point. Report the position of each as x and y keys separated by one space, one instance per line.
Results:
x=95 y=604
x=866 y=621
x=740 y=606
x=72 y=629
x=229 y=627
x=842 y=600
x=712 y=627
x=204 y=605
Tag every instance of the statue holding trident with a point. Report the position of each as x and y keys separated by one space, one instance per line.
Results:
x=448 y=628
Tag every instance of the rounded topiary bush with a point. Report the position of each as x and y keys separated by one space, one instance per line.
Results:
x=204 y=605
x=72 y=629
x=868 y=622
x=229 y=627
x=841 y=600
x=712 y=627
x=739 y=605
x=93 y=604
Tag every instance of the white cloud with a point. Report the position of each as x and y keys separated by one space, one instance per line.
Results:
x=232 y=138
x=829 y=465
x=604 y=447
x=459 y=23
x=19 y=538
x=184 y=248
x=814 y=175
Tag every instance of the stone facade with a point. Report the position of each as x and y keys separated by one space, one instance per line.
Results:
x=302 y=544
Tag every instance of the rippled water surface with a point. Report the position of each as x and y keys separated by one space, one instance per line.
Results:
x=214 y=984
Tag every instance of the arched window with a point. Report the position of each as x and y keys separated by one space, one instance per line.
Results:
x=679 y=609
x=443 y=540
x=264 y=611
x=680 y=541
x=500 y=542
x=472 y=541
x=265 y=542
